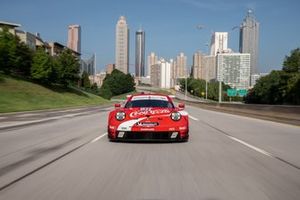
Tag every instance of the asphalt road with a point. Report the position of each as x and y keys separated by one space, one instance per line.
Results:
x=227 y=157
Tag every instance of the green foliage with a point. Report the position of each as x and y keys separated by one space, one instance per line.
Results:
x=15 y=57
x=42 y=67
x=293 y=89
x=116 y=83
x=197 y=88
x=279 y=87
x=85 y=81
x=291 y=63
x=269 y=89
x=105 y=91
x=67 y=68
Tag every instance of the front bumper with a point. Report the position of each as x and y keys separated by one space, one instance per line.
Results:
x=149 y=136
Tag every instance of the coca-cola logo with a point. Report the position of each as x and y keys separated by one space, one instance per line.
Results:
x=143 y=112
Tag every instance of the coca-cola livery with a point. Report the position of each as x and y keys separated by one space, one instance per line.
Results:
x=148 y=117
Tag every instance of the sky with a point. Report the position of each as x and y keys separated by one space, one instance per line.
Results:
x=170 y=25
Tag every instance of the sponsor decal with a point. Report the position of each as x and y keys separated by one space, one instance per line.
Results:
x=147 y=124
x=148 y=111
x=127 y=125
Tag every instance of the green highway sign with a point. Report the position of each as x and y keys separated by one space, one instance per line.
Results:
x=242 y=93
x=231 y=92
x=235 y=92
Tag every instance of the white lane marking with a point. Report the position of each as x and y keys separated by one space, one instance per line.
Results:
x=251 y=146
x=193 y=118
x=98 y=138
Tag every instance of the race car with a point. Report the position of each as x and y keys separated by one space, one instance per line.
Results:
x=148 y=117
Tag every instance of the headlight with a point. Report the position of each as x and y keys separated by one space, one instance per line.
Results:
x=175 y=116
x=120 y=116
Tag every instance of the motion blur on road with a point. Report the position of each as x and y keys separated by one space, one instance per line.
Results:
x=227 y=157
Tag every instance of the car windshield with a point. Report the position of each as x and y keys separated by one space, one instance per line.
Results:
x=149 y=103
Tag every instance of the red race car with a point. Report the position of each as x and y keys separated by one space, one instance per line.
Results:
x=148 y=117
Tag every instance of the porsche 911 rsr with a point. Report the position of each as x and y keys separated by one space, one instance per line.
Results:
x=148 y=117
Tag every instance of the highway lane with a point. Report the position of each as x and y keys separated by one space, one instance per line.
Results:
x=25 y=149
x=215 y=164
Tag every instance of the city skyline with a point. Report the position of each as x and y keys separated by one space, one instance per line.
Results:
x=167 y=35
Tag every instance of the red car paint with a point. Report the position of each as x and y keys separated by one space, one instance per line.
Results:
x=148 y=123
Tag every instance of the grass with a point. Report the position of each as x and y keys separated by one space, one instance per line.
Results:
x=20 y=95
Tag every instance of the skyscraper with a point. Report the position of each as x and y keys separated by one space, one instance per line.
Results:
x=181 y=67
x=152 y=60
x=198 y=67
x=122 y=45
x=219 y=43
x=74 y=38
x=249 y=36
x=140 y=53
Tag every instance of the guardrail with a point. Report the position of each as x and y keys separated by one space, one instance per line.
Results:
x=279 y=113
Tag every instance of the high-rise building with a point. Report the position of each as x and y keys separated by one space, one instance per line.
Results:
x=110 y=68
x=122 y=45
x=74 y=38
x=152 y=60
x=140 y=53
x=249 y=37
x=173 y=72
x=161 y=74
x=219 y=43
x=181 y=66
x=209 y=68
x=88 y=65
x=198 y=67
x=255 y=77
x=234 y=69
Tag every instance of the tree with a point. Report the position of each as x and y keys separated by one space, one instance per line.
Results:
x=105 y=91
x=270 y=89
x=293 y=89
x=85 y=81
x=197 y=88
x=15 y=56
x=279 y=87
x=291 y=63
x=116 y=83
x=67 y=68
x=42 y=67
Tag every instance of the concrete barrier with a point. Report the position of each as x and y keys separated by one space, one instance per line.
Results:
x=279 y=113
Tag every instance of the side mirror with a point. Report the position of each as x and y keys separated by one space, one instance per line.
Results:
x=181 y=105
x=117 y=105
